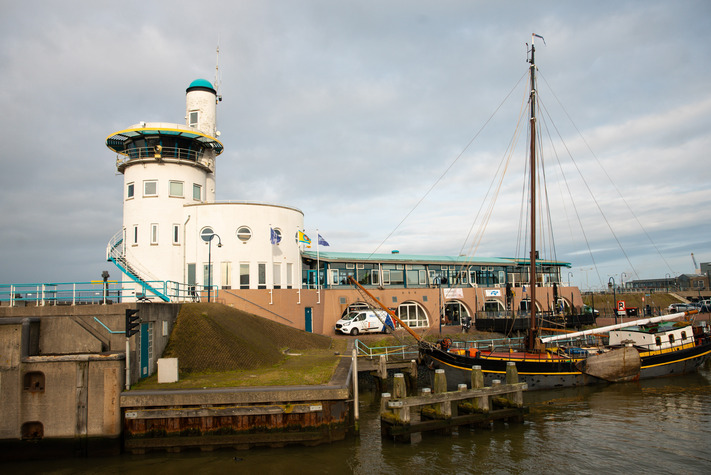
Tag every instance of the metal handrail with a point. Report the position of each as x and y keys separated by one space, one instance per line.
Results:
x=77 y=293
x=402 y=352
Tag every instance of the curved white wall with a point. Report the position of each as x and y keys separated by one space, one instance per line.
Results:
x=225 y=219
x=159 y=258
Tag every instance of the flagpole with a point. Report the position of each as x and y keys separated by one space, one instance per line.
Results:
x=318 y=270
x=271 y=253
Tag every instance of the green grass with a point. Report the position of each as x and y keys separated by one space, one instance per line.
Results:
x=219 y=346
x=311 y=367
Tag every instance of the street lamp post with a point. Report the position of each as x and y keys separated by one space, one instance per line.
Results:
x=667 y=277
x=209 y=261
x=105 y=276
x=611 y=283
x=438 y=280
x=570 y=275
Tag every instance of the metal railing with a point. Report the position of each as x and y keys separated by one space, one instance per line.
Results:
x=178 y=153
x=399 y=353
x=97 y=292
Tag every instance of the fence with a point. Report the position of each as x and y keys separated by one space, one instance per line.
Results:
x=97 y=292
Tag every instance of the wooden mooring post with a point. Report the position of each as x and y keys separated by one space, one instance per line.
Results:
x=441 y=411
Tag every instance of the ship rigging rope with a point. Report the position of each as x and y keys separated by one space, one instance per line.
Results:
x=570 y=194
x=502 y=168
x=466 y=147
x=594 y=199
x=614 y=185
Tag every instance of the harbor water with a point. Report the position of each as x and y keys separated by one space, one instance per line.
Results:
x=657 y=426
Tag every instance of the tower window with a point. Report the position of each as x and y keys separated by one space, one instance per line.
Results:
x=150 y=188
x=154 y=233
x=197 y=192
x=135 y=234
x=176 y=188
x=244 y=233
x=193 y=116
x=129 y=190
x=244 y=275
x=176 y=234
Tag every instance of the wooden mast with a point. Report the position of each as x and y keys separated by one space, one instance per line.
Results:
x=530 y=342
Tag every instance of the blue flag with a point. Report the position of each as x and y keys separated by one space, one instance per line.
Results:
x=274 y=236
x=322 y=241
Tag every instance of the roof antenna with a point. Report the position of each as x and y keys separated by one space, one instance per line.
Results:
x=217 y=73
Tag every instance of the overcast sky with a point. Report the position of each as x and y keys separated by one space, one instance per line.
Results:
x=352 y=110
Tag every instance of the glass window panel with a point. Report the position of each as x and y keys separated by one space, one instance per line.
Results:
x=176 y=188
x=244 y=276
x=150 y=188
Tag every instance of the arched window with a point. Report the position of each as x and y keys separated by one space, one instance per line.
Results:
x=413 y=315
x=494 y=307
x=454 y=310
x=525 y=306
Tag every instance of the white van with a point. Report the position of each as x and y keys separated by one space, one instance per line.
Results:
x=364 y=321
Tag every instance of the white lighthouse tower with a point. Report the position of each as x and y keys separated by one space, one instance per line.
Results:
x=165 y=166
x=170 y=214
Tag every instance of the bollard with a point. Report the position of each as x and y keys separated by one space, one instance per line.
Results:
x=461 y=387
x=399 y=387
x=511 y=373
x=382 y=368
x=440 y=381
x=477 y=377
x=384 y=398
x=400 y=392
x=386 y=415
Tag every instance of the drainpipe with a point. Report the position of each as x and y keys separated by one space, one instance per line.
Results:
x=185 y=245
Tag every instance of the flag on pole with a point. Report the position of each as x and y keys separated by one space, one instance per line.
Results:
x=322 y=241
x=304 y=238
x=274 y=236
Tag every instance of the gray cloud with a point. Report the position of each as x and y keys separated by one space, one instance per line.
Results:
x=351 y=110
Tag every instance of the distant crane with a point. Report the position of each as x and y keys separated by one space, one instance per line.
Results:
x=696 y=266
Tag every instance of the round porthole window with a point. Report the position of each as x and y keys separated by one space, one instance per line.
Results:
x=206 y=234
x=244 y=234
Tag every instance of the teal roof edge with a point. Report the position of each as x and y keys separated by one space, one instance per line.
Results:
x=365 y=257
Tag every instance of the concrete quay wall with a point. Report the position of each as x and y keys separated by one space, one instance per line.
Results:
x=62 y=380
x=62 y=370
x=240 y=418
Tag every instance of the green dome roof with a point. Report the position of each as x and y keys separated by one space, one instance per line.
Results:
x=202 y=84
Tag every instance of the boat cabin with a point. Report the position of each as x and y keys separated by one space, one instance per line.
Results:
x=660 y=336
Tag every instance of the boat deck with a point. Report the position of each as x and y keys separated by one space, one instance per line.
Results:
x=513 y=355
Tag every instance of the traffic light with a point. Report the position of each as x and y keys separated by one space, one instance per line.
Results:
x=132 y=322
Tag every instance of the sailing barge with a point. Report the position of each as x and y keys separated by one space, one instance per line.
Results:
x=641 y=349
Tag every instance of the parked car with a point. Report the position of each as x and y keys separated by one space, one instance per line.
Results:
x=681 y=307
x=588 y=310
x=364 y=321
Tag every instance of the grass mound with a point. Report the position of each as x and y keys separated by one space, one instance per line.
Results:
x=214 y=337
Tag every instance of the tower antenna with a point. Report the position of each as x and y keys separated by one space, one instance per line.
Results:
x=217 y=72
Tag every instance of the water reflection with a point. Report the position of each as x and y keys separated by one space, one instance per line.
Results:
x=660 y=426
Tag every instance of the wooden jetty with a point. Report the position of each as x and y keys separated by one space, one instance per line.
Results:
x=440 y=410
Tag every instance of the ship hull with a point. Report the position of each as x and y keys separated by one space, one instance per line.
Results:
x=550 y=373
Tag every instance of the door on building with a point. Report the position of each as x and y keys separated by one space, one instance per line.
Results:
x=146 y=358
x=308 y=320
